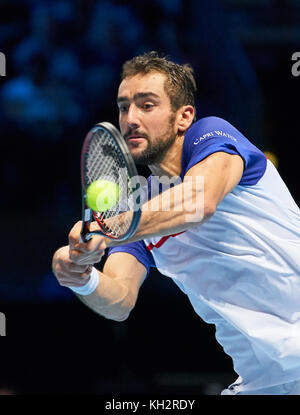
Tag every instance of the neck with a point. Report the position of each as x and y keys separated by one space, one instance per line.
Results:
x=171 y=164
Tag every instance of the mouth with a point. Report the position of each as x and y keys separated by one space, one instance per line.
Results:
x=135 y=139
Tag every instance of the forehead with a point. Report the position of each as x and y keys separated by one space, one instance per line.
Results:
x=151 y=82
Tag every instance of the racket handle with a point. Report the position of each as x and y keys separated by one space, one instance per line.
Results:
x=86 y=220
x=85 y=238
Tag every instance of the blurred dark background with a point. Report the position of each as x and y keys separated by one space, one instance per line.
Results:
x=63 y=60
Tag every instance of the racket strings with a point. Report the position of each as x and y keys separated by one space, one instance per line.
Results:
x=104 y=161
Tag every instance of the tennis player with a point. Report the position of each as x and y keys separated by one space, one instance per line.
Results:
x=237 y=258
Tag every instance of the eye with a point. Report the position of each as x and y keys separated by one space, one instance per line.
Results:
x=147 y=106
x=123 y=108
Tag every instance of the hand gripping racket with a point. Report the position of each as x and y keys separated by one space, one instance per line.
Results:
x=105 y=156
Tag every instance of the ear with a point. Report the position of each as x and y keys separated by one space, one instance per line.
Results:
x=185 y=118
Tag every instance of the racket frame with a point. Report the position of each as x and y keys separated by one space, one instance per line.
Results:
x=87 y=213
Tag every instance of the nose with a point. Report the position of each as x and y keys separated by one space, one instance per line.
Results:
x=132 y=117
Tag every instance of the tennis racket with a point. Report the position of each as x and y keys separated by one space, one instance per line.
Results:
x=105 y=155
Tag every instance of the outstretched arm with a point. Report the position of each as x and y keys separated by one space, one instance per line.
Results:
x=115 y=295
x=123 y=274
x=118 y=288
x=192 y=202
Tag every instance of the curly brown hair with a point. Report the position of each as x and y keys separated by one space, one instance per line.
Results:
x=180 y=84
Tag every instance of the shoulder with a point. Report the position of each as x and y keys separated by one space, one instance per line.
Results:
x=209 y=127
x=213 y=134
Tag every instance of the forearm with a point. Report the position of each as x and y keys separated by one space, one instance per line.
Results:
x=175 y=210
x=111 y=299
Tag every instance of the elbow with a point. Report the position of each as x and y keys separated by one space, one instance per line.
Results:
x=121 y=318
x=209 y=210
x=119 y=315
x=201 y=214
x=123 y=311
x=127 y=310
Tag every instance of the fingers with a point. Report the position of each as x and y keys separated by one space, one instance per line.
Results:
x=85 y=253
x=90 y=253
x=91 y=245
x=67 y=272
x=78 y=258
x=74 y=234
x=72 y=264
x=96 y=243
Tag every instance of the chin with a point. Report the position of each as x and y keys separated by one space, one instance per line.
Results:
x=137 y=150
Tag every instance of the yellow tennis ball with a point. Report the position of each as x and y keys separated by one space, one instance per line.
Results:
x=102 y=195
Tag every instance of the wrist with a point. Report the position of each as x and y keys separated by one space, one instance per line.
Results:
x=90 y=286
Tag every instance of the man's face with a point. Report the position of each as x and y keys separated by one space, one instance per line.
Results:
x=146 y=119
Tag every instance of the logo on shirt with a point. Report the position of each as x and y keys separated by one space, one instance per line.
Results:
x=203 y=137
x=218 y=133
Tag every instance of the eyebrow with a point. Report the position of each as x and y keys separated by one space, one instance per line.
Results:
x=138 y=96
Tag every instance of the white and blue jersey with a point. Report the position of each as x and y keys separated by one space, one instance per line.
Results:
x=241 y=268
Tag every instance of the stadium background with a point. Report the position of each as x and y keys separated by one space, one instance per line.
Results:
x=63 y=60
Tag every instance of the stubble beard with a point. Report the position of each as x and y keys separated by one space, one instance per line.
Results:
x=156 y=151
